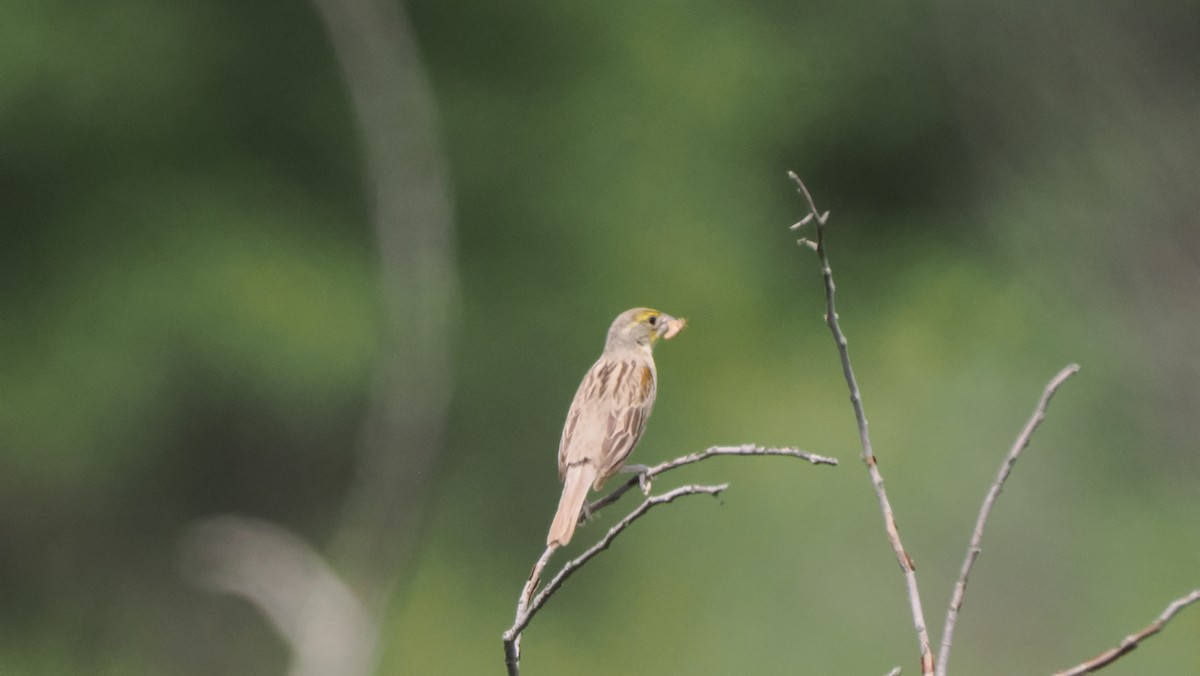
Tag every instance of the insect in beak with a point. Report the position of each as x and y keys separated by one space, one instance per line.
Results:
x=669 y=326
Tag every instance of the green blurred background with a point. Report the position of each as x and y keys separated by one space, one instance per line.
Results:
x=204 y=310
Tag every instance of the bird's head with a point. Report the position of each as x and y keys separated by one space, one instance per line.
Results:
x=642 y=327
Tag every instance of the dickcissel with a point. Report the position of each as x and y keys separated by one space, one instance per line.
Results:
x=609 y=412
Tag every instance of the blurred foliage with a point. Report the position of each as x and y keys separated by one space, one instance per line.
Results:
x=190 y=317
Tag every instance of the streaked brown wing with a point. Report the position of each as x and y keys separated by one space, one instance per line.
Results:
x=626 y=423
x=571 y=424
x=589 y=397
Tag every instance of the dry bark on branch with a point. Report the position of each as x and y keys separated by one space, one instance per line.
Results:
x=868 y=455
x=1132 y=641
x=531 y=600
x=960 y=587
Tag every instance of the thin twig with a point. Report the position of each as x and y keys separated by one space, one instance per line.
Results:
x=527 y=605
x=525 y=613
x=1130 y=642
x=889 y=519
x=960 y=587
x=512 y=649
x=535 y=577
x=745 y=449
x=894 y=672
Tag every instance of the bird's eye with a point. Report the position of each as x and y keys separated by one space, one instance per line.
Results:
x=653 y=319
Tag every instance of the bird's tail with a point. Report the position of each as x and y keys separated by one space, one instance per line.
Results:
x=575 y=489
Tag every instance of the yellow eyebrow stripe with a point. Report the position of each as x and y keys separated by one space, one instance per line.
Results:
x=646 y=314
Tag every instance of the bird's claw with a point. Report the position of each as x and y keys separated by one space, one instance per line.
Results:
x=643 y=476
x=644 y=482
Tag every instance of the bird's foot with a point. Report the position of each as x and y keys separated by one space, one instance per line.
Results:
x=643 y=476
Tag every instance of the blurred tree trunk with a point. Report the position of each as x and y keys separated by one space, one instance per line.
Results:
x=328 y=609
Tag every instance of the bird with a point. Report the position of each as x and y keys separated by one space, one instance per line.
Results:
x=609 y=412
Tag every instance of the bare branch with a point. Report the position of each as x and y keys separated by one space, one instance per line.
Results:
x=960 y=587
x=745 y=449
x=512 y=647
x=527 y=608
x=574 y=564
x=889 y=519
x=1130 y=642
x=528 y=605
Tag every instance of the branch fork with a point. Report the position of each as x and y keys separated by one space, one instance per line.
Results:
x=928 y=664
x=868 y=455
x=532 y=600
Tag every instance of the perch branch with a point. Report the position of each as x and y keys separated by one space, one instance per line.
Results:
x=1130 y=642
x=960 y=587
x=745 y=449
x=527 y=607
x=885 y=505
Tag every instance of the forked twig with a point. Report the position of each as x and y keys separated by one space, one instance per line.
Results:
x=744 y=449
x=960 y=587
x=885 y=505
x=1130 y=642
x=528 y=604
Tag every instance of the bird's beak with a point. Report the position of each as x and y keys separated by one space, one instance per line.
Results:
x=669 y=326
